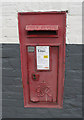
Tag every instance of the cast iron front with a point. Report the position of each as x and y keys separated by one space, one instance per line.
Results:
x=42 y=47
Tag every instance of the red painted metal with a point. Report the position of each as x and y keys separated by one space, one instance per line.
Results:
x=42 y=88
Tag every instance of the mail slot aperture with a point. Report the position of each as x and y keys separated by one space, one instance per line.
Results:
x=42 y=30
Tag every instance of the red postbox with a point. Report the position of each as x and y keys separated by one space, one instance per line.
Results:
x=42 y=46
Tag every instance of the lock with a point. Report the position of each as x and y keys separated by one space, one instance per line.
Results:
x=35 y=76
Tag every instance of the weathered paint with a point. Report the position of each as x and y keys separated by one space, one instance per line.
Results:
x=43 y=21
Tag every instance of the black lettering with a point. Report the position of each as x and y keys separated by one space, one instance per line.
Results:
x=41 y=50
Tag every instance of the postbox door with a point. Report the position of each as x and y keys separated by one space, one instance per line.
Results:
x=43 y=82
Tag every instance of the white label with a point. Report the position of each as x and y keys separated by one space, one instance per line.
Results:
x=42 y=53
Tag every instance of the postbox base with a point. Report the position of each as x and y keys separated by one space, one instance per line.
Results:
x=43 y=106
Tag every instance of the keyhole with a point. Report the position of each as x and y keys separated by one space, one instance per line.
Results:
x=34 y=76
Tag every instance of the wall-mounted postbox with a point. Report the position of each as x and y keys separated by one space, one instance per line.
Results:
x=42 y=47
